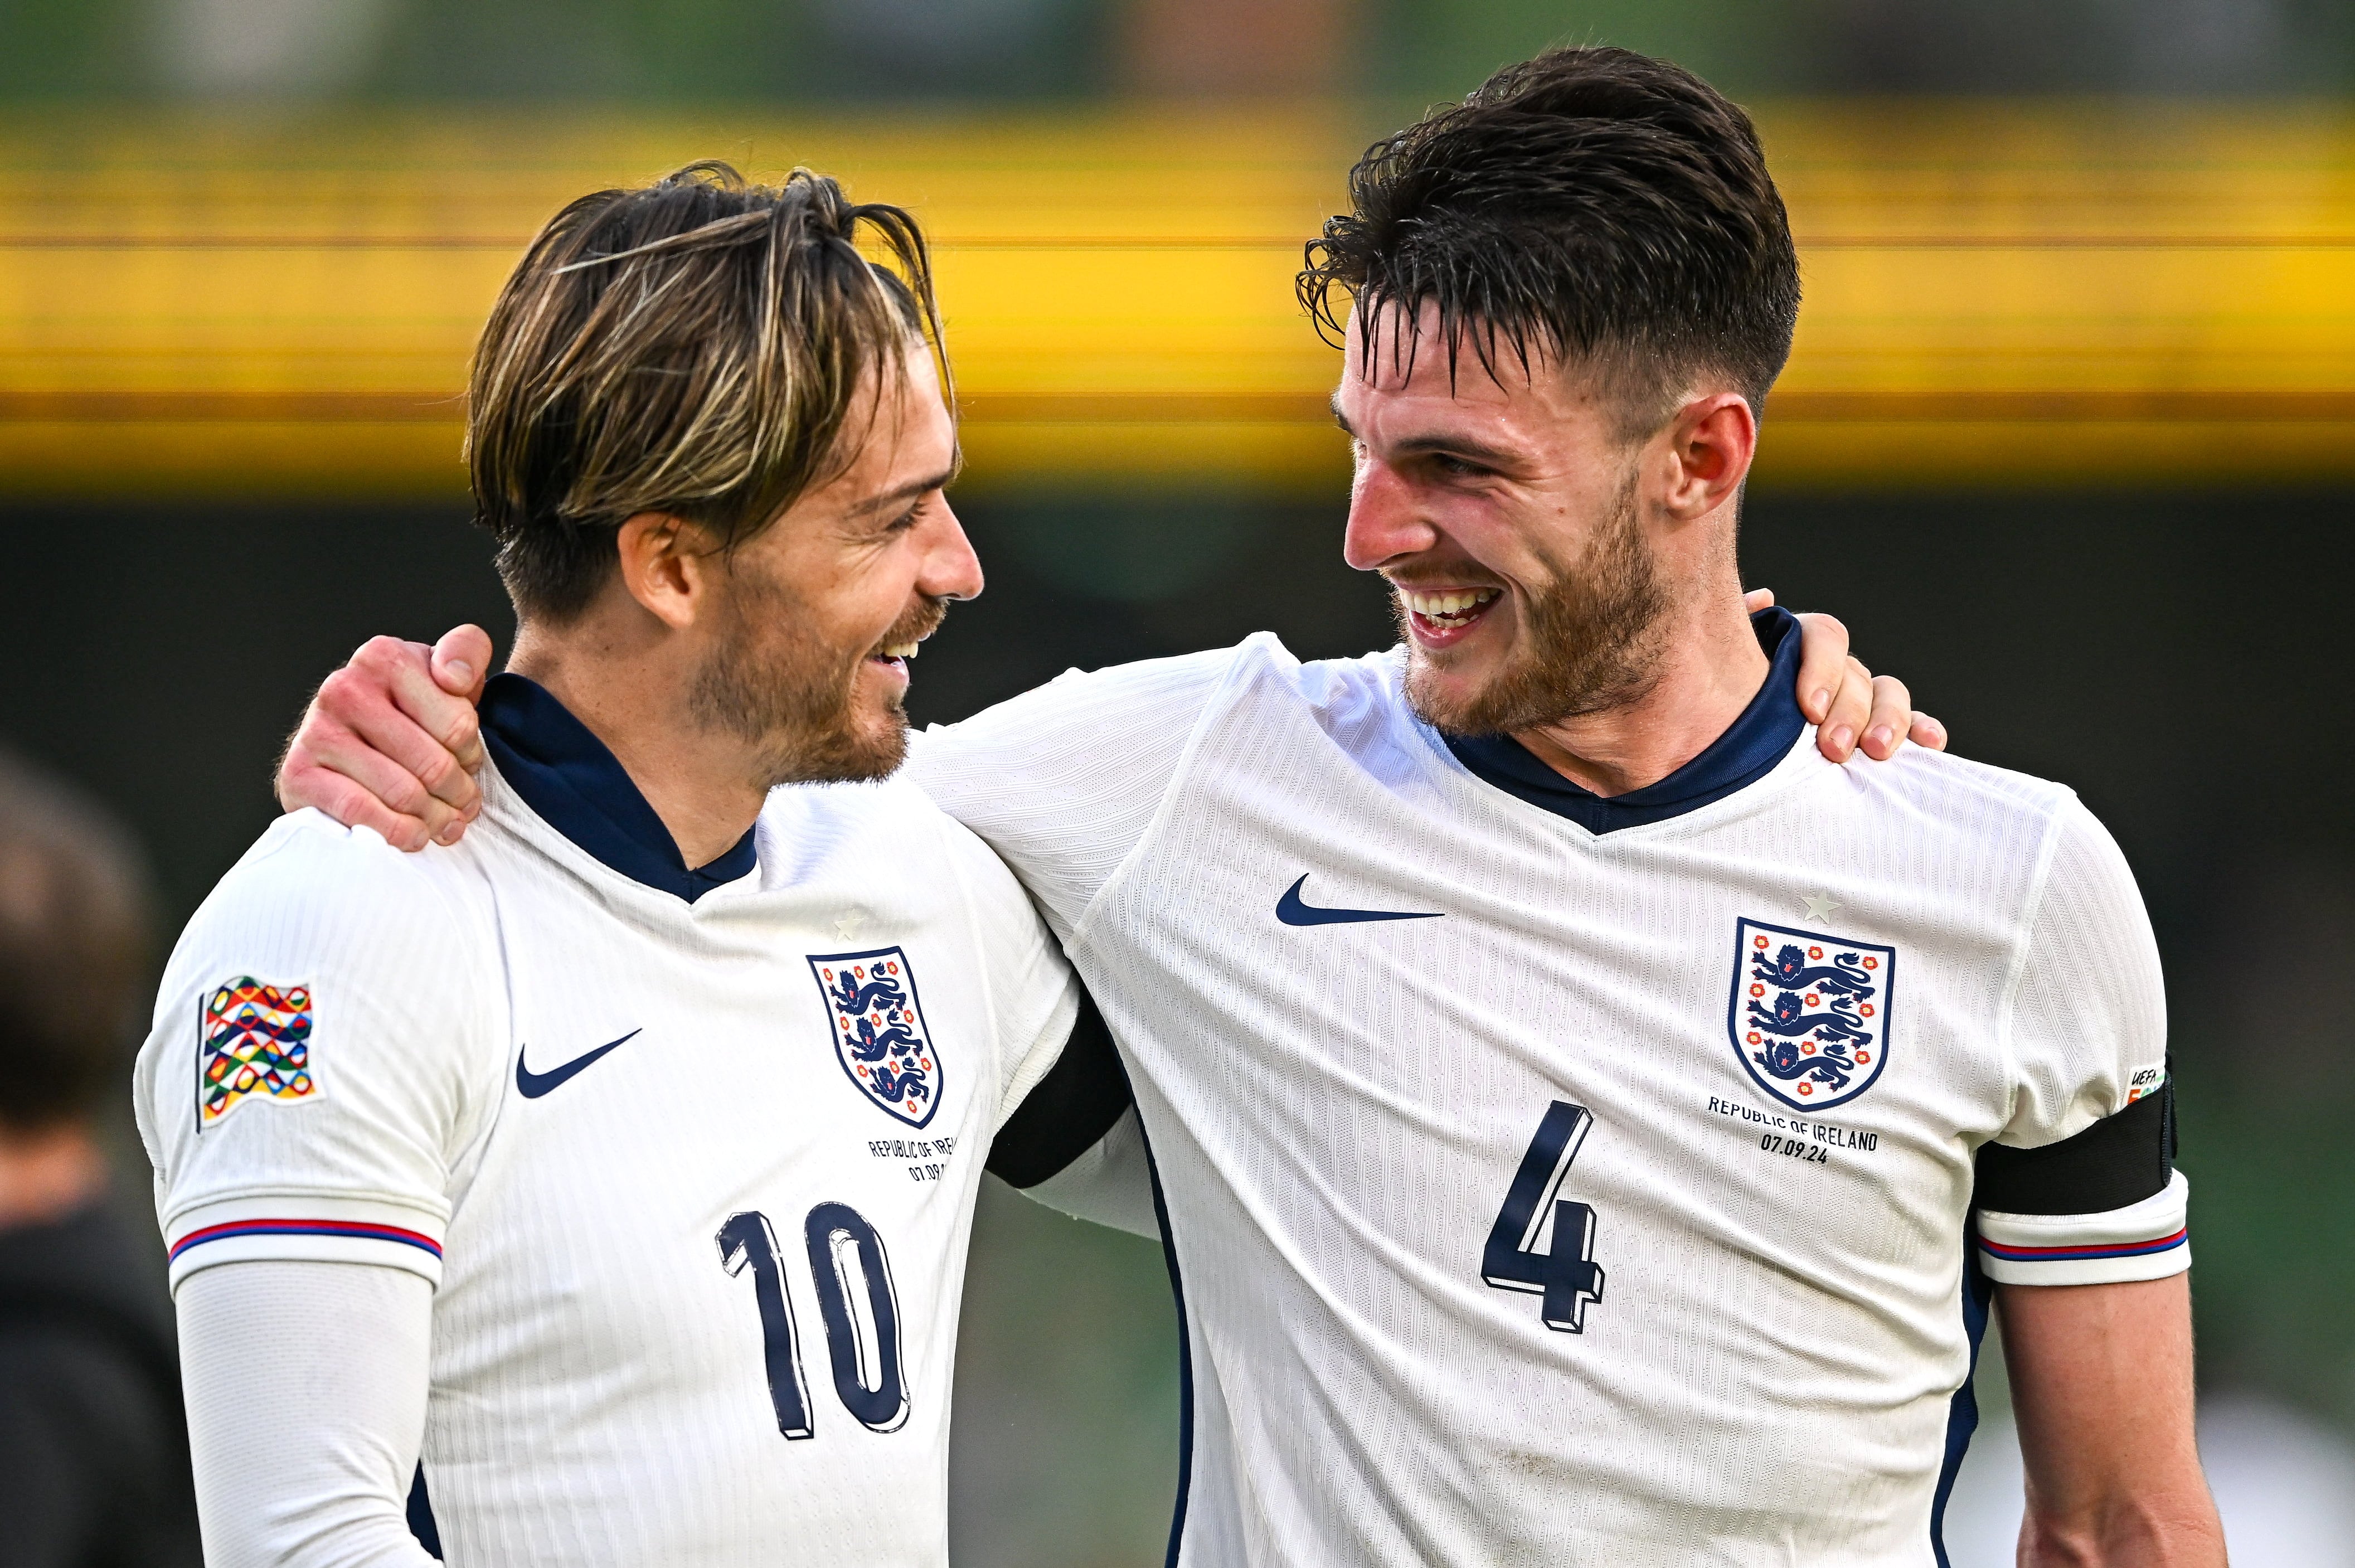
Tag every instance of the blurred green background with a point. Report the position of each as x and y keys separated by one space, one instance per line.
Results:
x=2168 y=640
x=701 y=52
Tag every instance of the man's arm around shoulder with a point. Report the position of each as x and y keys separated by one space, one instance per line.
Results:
x=390 y=741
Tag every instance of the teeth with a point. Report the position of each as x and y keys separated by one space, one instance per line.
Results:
x=899 y=651
x=1447 y=609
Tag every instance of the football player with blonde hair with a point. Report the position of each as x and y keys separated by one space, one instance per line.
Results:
x=621 y=1160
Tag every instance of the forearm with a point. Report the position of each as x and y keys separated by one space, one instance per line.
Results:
x=2144 y=1531
x=306 y=1388
x=2102 y=1388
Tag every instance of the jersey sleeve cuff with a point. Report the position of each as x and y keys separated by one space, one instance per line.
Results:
x=2142 y=1240
x=305 y=1227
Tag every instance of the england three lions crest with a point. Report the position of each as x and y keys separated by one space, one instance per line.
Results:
x=879 y=1029
x=1810 y=1016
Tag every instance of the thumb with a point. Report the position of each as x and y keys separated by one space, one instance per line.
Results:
x=462 y=662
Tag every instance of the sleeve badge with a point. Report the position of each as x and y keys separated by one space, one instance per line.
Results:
x=253 y=1042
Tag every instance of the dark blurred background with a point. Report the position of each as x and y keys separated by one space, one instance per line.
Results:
x=2099 y=522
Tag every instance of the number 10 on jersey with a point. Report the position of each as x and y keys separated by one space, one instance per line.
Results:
x=865 y=1352
x=1564 y=1273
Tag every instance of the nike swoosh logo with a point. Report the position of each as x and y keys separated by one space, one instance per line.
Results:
x=1291 y=909
x=532 y=1085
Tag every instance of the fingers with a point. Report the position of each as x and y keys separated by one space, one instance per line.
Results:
x=1845 y=715
x=1758 y=599
x=354 y=780
x=1823 y=668
x=382 y=746
x=1848 y=702
x=1892 y=720
x=461 y=661
x=303 y=780
x=1876 y=711
x=387 y=696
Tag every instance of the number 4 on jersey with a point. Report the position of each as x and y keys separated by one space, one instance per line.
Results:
x=1565 y=1273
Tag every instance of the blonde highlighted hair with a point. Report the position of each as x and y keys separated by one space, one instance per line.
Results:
x=693 y=347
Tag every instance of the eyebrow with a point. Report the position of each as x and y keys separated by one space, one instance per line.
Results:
x=1453 y=445
x=907 y=492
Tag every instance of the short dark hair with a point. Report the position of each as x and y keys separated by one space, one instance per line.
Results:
x=693 y=347
x=1609 y=207
x=75 y=909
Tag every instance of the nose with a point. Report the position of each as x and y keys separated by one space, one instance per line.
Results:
x=1384 y=521
x=951 y=570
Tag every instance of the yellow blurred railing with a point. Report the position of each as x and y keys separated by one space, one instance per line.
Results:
x=1996 y=292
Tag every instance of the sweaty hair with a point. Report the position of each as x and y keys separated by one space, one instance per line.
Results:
x=692 y=347
x=1607 y=207
x=74 y=933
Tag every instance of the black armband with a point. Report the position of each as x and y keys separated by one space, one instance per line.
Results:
x=1068 y=1111
x=2119 y=1160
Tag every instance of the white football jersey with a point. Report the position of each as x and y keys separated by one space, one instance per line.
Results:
x=1559 y=1180
x=692 y=1157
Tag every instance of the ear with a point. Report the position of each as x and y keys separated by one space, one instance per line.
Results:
x=666 y=565
x=1710 y=442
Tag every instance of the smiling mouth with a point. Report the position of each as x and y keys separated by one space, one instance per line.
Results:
x=893 y=656
x=901 y=637
x=1441 y=611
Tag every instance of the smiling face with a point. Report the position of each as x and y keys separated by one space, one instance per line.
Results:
x=1509 y=514
x=820 y=612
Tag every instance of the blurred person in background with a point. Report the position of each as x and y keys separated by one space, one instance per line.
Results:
x=93 y=1445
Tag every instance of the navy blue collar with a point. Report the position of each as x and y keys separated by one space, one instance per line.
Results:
x=578 y=787
x=1746 y=754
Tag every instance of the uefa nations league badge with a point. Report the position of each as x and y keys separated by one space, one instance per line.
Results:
x=1810 y=1016
x=879 y=1029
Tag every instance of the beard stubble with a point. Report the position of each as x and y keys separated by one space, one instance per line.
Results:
x=1586 y=646
x=773 y=683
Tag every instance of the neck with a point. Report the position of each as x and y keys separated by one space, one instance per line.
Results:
x=1710 y=668
x=628 y=684
x=46 y=1175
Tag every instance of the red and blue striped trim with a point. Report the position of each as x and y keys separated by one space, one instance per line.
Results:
x=2073 y=1254
x=355 y=1228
